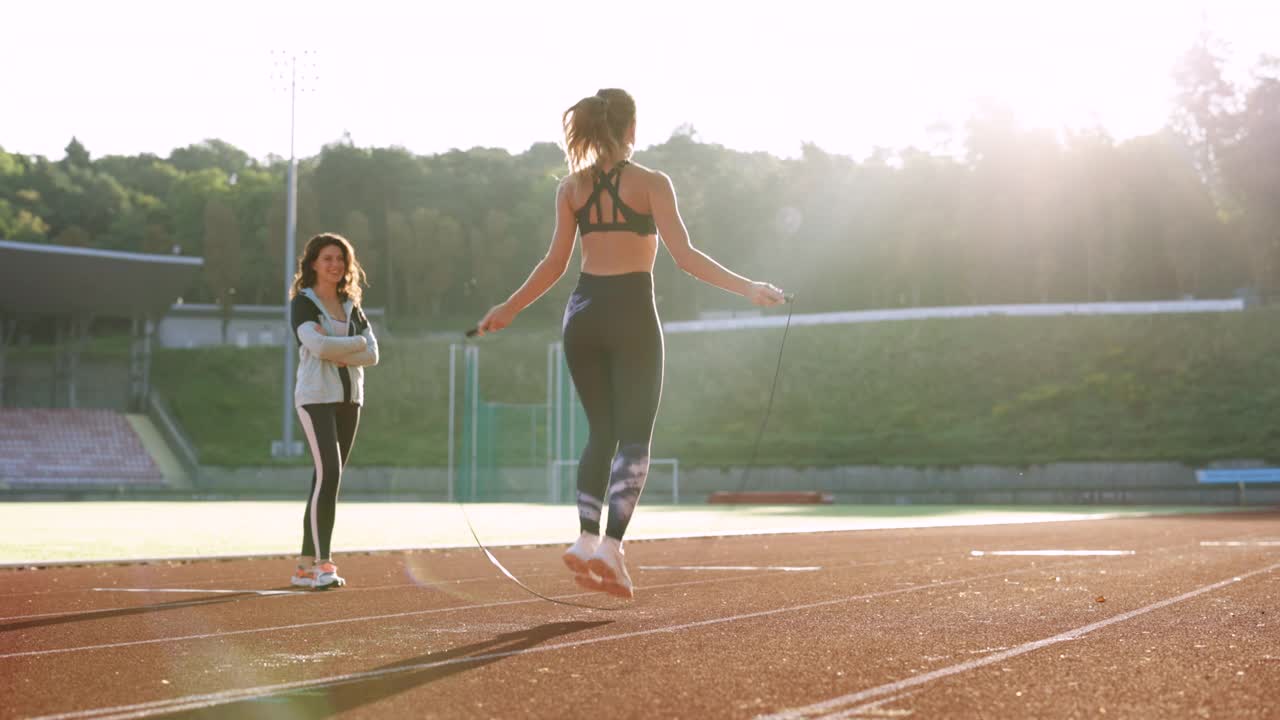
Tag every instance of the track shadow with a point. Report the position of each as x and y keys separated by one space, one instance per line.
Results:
x=75 y=617
x=326 y=700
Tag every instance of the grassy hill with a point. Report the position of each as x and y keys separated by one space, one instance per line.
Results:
x=934 y=392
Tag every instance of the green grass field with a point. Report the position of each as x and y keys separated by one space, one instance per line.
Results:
x=996 y=390
x=39 y=532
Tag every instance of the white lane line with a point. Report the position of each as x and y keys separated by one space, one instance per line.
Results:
x=193 y=702
x=189 y=590
x=779 y=568
x=480 y=606
x=1240 y=543
x=1052 y=553
x=477 y=578
x=391 y=616
x=107 y=612
x=833 y=707
x=875 y=709
x=348 y=590
x=345 y=591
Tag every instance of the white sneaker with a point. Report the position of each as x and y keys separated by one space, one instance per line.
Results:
x=576 y=558
x=326 y=574
x=607 y=562
x=303 y=577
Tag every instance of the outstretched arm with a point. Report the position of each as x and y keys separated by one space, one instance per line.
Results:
x=549 y=269
x=671 y=229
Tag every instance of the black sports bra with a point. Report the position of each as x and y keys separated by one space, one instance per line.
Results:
x=624 y=218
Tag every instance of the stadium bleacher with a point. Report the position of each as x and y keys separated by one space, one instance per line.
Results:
x=72 y=447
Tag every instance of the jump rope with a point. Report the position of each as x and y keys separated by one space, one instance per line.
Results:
x=789 y=299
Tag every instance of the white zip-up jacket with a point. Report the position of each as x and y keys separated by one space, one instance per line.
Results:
x=320 y=378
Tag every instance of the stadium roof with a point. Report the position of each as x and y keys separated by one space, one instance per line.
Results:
x=56 y=280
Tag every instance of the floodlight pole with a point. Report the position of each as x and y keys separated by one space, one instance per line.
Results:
x=287 y=446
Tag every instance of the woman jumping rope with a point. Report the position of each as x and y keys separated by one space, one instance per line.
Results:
x=613 y=341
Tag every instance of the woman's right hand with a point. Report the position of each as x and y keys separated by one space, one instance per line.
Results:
x=498 y=317
x=765 y=294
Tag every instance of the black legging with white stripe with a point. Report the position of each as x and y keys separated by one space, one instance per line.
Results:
x=331 y=430
x=614 y=348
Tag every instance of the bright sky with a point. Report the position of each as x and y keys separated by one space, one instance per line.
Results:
x=131 y=76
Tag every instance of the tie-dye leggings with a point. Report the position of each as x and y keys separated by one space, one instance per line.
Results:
x=614 y=348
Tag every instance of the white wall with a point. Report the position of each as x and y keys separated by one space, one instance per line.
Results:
x=778 y=319
x=192 y=325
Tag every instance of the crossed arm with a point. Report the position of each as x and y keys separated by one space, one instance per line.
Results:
x=359 y=350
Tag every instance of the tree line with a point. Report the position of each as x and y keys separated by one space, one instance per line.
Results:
x=995 y=213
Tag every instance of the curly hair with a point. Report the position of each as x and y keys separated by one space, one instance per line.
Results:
x=305 y=275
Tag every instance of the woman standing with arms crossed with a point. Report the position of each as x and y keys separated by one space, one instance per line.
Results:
x=613 y=340
x=335 y=344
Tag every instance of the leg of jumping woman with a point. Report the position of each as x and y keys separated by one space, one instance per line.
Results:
x=636 y=367
x=587 y=358
x=591 y=379
x=637 y=389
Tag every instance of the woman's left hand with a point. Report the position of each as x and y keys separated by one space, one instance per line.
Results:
x=498 y=317
x=765 y=294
